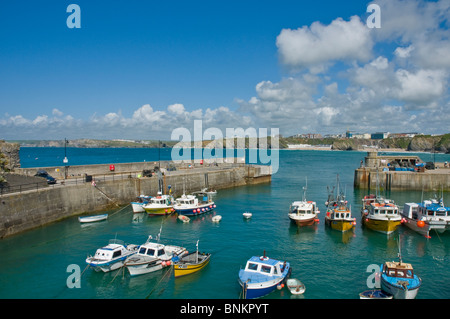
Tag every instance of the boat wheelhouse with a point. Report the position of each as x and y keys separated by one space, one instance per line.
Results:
x=262 y=275
x=380 y=214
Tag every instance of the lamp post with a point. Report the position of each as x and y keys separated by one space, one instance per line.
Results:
x=65 y=160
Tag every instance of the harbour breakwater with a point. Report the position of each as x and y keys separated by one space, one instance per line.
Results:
x=400 y=172
x=26 y=210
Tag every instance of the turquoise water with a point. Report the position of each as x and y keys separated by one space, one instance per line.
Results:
x=329 y=263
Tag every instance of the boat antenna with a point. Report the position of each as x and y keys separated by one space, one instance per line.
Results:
x=197 y=249
x=399 y=251
x=304 y=190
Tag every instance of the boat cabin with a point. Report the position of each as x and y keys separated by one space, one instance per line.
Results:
x=264 y=266
x=340 y=214
x=382 y=209
x=433 y=208
x=110 y=252
x=303 y=208
x=188 y=200
x=154 y=250
x=160 y=200
x=400 y=270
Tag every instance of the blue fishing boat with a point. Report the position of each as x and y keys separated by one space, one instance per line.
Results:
x=190 y=205
x=399 y=280
x=111 y=256
x=262 y=275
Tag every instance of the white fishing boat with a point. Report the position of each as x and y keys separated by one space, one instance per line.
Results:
x=152 y=256
x=427 y=216
x=304 y=213
x=247 y=215
x=111 y=256
x=138 y=205
x=217 y=218
x=91 y=219
x=295 y=286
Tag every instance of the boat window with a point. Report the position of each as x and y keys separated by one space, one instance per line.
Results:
x=430 y=213
x=117 y=254
x=142 y=250
x=252 y=266
x=382 y=212
x=409 y=274
x=440 y=213
x=266 y=269
x=150 y=252
x=275 y=271
x=161 y=252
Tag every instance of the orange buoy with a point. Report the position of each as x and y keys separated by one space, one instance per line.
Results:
x=421 y=224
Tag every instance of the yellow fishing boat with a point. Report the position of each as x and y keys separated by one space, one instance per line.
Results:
x=190 y=263
x=339 y=215
x=160 y=205
x=380 y=214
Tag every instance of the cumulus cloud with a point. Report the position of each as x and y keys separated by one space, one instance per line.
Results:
x=319 y=45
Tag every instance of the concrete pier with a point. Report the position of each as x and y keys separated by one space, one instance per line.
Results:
x=399 y=172
x=35 y=208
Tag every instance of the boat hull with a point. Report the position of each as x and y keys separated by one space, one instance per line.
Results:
x=106 y=266
x=375 y=294
x=425 y=228
x=303 y=221
x=191 y=211
x=137 y=207
x=339 y=224
x=159 y=211
x=382 y=226
x=398 y=292
x=183 y=269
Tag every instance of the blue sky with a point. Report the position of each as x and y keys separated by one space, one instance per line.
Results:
x=139 y=69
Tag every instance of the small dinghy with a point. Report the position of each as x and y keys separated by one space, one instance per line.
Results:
x=217 y=218
x=374 y=294
x=247 y=215
x=295 y=286
x=91 y=219
x=184 y=218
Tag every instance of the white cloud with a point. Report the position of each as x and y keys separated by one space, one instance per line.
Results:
x=318 y=45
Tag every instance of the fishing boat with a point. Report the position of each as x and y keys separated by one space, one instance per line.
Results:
x=262 y=275
x=247 y=215
x=111 y=256
x=379 y=214
x=152 y=256
x=426 y=216
x=398 y=279
x=190 y=263
x=138 y=205
x=374 y=294
x=339 y=215
x=91 y=219
x=304 y=213
x=295 y=286
x=190 y=205
x=159 y=205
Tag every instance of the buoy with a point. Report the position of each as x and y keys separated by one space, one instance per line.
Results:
x=163 y=264
x=421 y=224
x=168 y=263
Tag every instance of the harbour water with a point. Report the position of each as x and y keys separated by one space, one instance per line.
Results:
x=36 y=264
